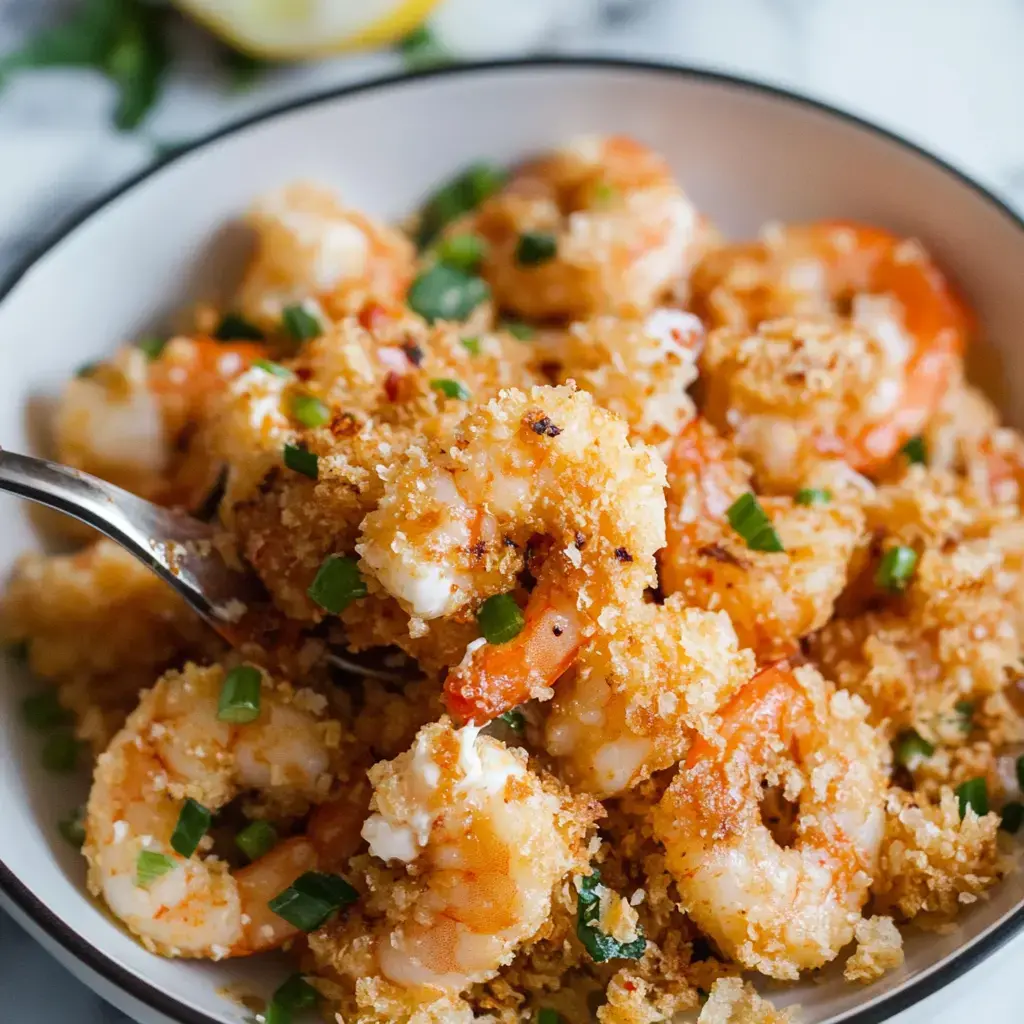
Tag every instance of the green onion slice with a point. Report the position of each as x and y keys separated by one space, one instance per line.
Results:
x=464 y=252
x=471 y=345
x=310 y=411
x=974 y=794
x=150 y=865
x=233 y=327
x=72 y=828
x=916 y=451
x=151 y=347
x=450 y=388
x=268 y=366
x=256 y=839
x=44 y=711
x=444 y=293
x=549 y=1016
x=1012 y=817
x=912 y=748
x=515 y=720
x=337 y=584
x=300 y=324
x=302 y=460
x=500 y=619
x=240 y=695
x=60 y=753
x=535 y=248
x=294 y=994
x=457 y=197
x=193 y=823
x=749 y=520
x=311 y=899
x=896 y=569
x=601 y=947
x=813 y=496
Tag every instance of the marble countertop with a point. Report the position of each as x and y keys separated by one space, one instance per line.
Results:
x=944 y=73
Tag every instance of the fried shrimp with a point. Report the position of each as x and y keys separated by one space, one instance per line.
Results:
x=308 y=246
x=773 y=597
x=173 y=748
x=779 y=910
x=637 y=696
x=615 y=230
x=799 y=380
x=485 y=841
x=457 y=517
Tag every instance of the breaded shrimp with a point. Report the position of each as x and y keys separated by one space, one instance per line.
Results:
x=779 y=910
x=175 y=747
x=639 y=695
x=484 y=840
x=621 y=229
x=457 y=516
x=773 y=597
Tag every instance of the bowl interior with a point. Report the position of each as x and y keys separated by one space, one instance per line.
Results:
x=745 y=155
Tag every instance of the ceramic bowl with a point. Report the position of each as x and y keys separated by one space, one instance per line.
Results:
x=746 y=153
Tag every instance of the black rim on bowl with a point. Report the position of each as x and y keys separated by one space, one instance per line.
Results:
x=148 y=994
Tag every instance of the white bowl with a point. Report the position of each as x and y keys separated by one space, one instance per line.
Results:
x=746 y=153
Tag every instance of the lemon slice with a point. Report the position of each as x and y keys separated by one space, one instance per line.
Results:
x=281 y=29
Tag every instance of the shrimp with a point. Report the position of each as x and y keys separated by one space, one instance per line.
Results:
x=174 y=747
x=773 y=597
x=484 y=840
x=308 y=247
x=638 y=369
x=128 y=419
x=623 y=232
x=908 y=334
x=456 y=517
x=638 y=696
x=775 y=909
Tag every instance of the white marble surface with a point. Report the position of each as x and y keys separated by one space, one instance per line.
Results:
x=945 y=73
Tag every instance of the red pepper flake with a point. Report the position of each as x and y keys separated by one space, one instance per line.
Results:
x=373 y=316
x=391 y=384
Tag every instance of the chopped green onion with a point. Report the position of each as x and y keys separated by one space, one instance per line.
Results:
x=459 y=196
x=535 y=248
x=267 y=366
x=310 y=411
x=524 y=332
x=294 y=994
x=895 y=569
x=912 y=748
x=311 y=899
x=150 y=865
x=1020 y=772
x=515 y=720
x=813 y=496
x=500 y=619
x=549 y=1016
x=974 y=794
x=422 y=49
x=300 y=324
x=750 y=521
x=337 y=584
x=464 y=252
x=233 y=327
x=43 y=711
x=151 y=347
x=60 y=752
x=88 y=369
x=450 y=388
x=72 y=828
x=1012 y=817
x=193 y=823
x=256 y=839
x=471 y=345
x=600 y=946
x=302 y=460
x=915 y=451
x=240 y=695
x=444 y=293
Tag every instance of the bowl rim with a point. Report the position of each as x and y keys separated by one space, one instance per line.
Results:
x=149 y=995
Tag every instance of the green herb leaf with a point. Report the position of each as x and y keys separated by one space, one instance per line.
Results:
x=60 y=753
x=974 y=794
x=240 y=695
x=535 y=248
x=311 y=899
x=193 y=823
x=813 y=496
x=471 y=345
x=548 y=1016
x=421 y=50
x=233 y=327
x=912 y=749
x=457 y=197
x=601 y=947
x=337 y=584
x=444 y=293
x=1012 y=817
x=310 y=411
x=896 y=569
x=44 y=711
x=500 y=619
x=275 y=369
x=150 y=865
x=916 y=451
x=450 y=388
x=294 y=994
x=749 y=520
x=72 y=828
x=464 y=252
x=256 y=839
x=299 y=324
x=302 y=460
x=515 y=720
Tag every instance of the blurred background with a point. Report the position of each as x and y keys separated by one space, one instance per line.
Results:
x=93 y=91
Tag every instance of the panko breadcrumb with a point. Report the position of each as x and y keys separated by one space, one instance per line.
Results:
x=879 y=949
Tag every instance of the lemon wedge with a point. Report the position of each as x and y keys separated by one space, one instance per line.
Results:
x=286 y=29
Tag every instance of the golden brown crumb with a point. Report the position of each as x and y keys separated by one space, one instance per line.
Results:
x=879 y=949
x=734 y=1001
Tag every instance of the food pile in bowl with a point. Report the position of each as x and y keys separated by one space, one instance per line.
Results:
x=692 y=573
